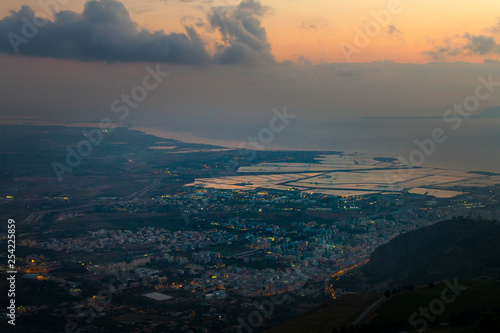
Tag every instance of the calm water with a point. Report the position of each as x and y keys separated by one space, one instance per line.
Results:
x=475 y=145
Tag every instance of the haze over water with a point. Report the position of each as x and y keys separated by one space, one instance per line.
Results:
x=473 y=146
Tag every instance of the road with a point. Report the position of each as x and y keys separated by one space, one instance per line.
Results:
x=363 y=315
x=143 y=190
x=34 y=217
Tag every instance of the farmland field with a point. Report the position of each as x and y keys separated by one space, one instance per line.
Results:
x=351 y=175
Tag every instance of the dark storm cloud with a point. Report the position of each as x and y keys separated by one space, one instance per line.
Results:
x=467 y=44
x=481 y=44
x=103 y=31
x=244 y=37
x=440 y=53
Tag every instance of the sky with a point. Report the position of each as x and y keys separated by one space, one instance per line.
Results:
x=405 y=31
x=365 y=75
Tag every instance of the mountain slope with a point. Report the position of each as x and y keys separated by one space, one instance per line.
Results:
x=463 y=248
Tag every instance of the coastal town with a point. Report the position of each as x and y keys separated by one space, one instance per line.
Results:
x=180 y=246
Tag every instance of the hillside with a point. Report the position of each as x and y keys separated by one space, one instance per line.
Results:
x=335 y=313
x=463 y=248
x=462 y=251
x=475 y=309
x=474 y=300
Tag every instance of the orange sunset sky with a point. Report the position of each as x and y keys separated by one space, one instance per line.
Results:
x=316 y=29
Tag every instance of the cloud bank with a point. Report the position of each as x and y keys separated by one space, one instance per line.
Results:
x=245 y=40
x=467 y=44
x=104 y=31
